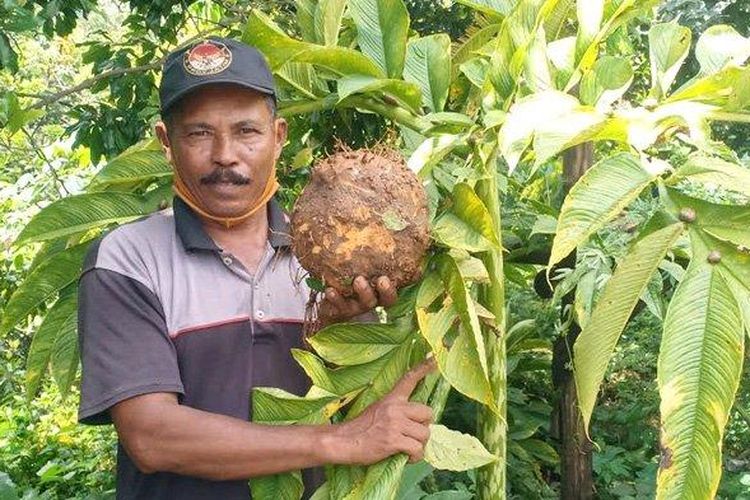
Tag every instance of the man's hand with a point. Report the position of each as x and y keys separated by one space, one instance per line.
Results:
x=336 y=307
x=392 y=425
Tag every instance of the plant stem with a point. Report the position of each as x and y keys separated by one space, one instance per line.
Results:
x=491 y=426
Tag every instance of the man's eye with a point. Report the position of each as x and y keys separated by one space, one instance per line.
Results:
x=199 y=133
x=249 y=130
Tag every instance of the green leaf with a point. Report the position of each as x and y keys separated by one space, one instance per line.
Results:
x=724 y=222
x=432 y=151
x=469 y=208
x=595 y=345
x=526 y=116
x=699 y=368
x=709 y=170
x=51 y=276
x=395 y=365
x=408 y=93
x=606 y=82
x=468 y=49
x=382 y=30
x=720 y=46
x=590 y=14
x=305 y=10
x=413 y=475
x=64 y=358
x=456 y=451
x=428 y=64
x=286 y=486
x=453 y=232
x=464 y=306
x=603 y=191
x=328 y=15
x=340 y=381
x=381 y=481
x=275 y=406
x=280 y=49
x=669 y=44
x=140 y=163
x=61 y=320
x=576 y=127
x=490 y=7
x=537 y=71
x=79 y=213
x=356 y=343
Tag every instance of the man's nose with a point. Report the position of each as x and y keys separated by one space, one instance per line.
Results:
x=224 y=152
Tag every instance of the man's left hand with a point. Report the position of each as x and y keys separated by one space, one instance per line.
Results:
x=335 y=307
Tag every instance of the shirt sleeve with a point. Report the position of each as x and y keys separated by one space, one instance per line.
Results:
x=125 y=347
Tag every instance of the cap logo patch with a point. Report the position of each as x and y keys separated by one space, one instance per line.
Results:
x=207 y=58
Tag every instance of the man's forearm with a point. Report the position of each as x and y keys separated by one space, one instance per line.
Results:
x=183 y=440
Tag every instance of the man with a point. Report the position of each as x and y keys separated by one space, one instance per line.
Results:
x=184 y=312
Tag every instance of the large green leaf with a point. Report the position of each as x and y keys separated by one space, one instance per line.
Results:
x=382 y=30
x=280 y=49
x=712 y=170
x=428 y=64
x=470 y=209
x=64 y=358
x=725 y=222
x=381 y=481
x=526 y=116
x=606 y=82
x=599 y=196
x=469 y=48
x=357 y=343
x=596 y=343
x=342 y=380
x=537 y=68
x=305 y=10
x=138 y=164
x=491 y=7
x=576 y=127
x=328 y=15
x=699 y=368
x=432 y=151
x=60 y=320
x=669 y=44
x=406 y=92
x=590 y=14
x=720 y=46
x=390 y=372
x=79 y=213
x=275 y=406
x=452 y=450
x=42 y=284
x=286 y=486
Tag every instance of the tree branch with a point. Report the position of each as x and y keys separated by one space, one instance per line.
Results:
x=40 y=153
x=89 y=82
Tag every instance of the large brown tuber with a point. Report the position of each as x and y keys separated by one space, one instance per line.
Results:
x=362 y=213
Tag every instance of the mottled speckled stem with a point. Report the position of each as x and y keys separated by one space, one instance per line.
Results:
x=492 y=427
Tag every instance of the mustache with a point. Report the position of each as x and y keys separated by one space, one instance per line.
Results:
x=225 y=175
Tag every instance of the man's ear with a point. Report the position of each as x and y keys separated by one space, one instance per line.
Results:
x=281 y=131
x=161 y=133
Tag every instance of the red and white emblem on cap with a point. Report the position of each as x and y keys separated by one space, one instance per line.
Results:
x=207 y=58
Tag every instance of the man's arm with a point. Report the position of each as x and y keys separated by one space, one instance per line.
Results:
x=161 y=435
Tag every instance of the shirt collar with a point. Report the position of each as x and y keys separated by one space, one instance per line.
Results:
x=194 y=237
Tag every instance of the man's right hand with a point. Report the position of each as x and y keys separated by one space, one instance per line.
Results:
x=390 y=426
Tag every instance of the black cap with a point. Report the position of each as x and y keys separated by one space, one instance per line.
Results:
x=213 y=60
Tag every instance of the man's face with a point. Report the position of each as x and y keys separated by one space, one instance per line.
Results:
x=224 y=141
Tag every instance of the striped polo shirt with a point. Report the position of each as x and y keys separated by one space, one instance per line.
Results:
x=163 y=309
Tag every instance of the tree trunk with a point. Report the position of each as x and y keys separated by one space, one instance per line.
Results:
x=576 y=454
x=492 y=428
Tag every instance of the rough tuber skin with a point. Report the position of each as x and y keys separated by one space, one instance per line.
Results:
x=363 y=213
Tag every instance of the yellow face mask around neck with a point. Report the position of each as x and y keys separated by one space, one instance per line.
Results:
x=185 y=195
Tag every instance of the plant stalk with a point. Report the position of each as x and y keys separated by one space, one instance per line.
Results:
x=492 y=426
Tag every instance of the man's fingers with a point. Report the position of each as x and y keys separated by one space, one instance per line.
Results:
x=417 y=431
x=409 y=381
x=365 y=294
x=386 y=291
x=341 y=305
x=413 y=448
x=418 y=413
